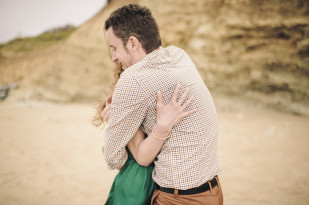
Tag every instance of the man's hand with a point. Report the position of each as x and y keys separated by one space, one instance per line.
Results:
x=106 y=111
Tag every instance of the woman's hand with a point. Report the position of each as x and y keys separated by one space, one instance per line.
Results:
x=171 y=114
x=106 y=111
x=145 y=150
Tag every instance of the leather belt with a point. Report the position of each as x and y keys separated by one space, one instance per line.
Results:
x=196 y=190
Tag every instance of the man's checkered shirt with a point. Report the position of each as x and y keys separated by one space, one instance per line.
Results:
x=189 y=156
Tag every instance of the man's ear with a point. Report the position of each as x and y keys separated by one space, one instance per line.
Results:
x=133 y=43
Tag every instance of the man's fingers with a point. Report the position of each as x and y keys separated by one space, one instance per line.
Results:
x=175 y=94
x=159 y=99
x=184 y=96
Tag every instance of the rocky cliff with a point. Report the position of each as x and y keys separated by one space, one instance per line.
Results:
x=253 y=51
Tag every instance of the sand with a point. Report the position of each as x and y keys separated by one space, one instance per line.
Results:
x=50 y=154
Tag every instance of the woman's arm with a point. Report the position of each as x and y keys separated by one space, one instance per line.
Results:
x=144 y=149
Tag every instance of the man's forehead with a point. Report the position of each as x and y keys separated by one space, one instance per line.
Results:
x=113 y=40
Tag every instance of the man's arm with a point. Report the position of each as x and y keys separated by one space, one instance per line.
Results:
x=128 y=110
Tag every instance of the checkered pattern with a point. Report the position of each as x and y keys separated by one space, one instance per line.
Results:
x=189 y=157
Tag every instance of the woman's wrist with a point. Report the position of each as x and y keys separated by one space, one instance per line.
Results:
x=162 y=131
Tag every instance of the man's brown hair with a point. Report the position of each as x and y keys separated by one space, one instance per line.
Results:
x=135 y=20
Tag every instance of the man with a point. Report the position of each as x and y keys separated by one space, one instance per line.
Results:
x=187 y=166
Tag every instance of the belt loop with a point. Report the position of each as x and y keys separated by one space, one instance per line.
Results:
x=210 y=187
x=218 y=184
x=175 y=192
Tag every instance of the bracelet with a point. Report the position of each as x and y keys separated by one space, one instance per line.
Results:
x=160 y=138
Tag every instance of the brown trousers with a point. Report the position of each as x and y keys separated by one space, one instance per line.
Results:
x=213 y=196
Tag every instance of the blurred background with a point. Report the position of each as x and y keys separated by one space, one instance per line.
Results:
x=252 y=55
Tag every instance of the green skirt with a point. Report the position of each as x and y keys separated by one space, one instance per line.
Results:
x=133 y=185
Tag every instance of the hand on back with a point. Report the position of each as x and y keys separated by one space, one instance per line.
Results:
x=171 y=114
x=168 y=115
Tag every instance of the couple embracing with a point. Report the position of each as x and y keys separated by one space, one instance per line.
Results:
x=162 y=124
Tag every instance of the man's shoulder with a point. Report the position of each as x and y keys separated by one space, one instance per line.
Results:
x=128 y=90
x=173 y=48
x=147 y=67
x=127 y=79
x=130 y=80
x=175 y=54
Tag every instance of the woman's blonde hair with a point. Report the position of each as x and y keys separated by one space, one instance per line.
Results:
x=97 y=120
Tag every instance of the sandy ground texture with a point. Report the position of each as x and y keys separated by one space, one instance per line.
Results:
x=50 y=154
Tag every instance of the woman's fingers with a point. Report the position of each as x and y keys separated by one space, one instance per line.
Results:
x=175 y=94
x=183 y=97
x=159 y=99
x=109 y=100
x=173 y=112
x=187 y=103
x=106 y=116
x=189 y=113
x=105 y=110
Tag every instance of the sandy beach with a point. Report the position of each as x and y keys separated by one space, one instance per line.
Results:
x=50 y=154
x=252 y=55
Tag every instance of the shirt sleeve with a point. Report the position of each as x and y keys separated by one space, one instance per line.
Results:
x=128 y=110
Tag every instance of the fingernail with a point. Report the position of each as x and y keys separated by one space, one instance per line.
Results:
x=159 y=91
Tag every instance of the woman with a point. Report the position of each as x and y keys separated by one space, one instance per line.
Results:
x=133 y=185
